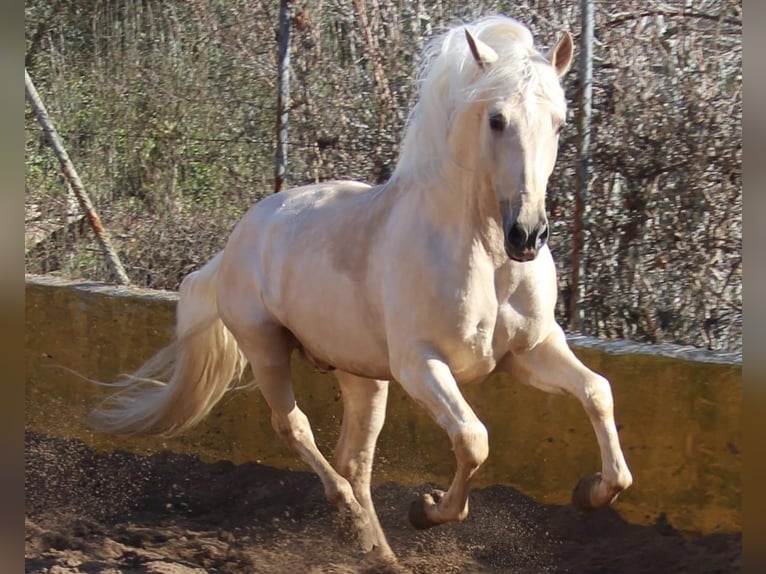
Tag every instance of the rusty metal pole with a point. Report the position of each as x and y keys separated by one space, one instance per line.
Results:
x=283 y=92
x=67 y=167
x=579 y=238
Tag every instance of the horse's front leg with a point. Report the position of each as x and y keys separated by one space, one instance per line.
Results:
x=553 y=367
x=429 y=381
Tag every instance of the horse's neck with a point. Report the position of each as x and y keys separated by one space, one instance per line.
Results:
x=470 y=189
x=455 y=198
x=464 y=203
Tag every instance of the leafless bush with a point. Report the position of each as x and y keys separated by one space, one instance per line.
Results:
x=168 y=110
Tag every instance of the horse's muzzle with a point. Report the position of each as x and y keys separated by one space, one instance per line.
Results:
x=523 y=244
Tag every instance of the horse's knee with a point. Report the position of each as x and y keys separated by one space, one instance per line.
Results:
x=471 y=443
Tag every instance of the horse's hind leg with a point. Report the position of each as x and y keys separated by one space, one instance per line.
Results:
x=364 y=411
x=268 y=348
x=553 y=367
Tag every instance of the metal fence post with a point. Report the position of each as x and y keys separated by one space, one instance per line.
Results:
x=283 y=92
x=579 y=239
x=67 y=167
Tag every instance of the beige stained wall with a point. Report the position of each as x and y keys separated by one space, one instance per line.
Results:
x=679 y=420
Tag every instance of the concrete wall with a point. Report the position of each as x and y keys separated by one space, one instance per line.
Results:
x=679 y=419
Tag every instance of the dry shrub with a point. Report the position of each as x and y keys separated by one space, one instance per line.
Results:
x=167 y=109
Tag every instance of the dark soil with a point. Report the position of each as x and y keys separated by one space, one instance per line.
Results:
x=119 y=512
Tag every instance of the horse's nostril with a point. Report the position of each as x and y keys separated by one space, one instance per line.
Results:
x=520 y=240
x=516 y=236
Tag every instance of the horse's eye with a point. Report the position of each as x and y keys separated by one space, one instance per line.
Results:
x=497 y=122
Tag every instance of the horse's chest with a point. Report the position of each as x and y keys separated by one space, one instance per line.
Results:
x=487 y=339
x=473 y=355
x=521 y=327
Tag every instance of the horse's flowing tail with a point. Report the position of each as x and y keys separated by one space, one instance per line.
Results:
x=199 y=366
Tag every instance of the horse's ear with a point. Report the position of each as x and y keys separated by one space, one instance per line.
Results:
x=482 y=53
x=560 y=56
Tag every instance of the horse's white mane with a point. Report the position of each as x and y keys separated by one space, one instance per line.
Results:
x=449 y=80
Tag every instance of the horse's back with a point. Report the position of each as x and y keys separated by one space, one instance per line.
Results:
x=285 y=221
x=303 y=202
x=325 y=221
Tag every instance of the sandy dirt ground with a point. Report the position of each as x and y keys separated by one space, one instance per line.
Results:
x=166 y=513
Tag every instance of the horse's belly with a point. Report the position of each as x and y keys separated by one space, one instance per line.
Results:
x=332 y=346
x=335 y=325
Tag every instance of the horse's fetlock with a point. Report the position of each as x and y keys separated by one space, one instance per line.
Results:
x=624 y=480
x=341 y=495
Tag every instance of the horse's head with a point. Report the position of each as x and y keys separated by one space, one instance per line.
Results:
x=489 y=113
x=522 y=108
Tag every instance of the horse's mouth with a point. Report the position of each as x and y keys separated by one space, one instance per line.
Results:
x=523 y=256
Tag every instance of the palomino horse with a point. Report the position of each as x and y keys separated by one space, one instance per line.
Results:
x=438 y=277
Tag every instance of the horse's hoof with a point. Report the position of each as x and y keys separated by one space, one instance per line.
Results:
x=581 y=492
x=419 y=516
x=588 y=489
x=356 y=531
x=379 y=561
